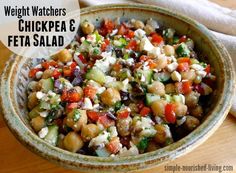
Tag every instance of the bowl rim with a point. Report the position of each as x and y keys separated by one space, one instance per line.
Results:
x=83 y=162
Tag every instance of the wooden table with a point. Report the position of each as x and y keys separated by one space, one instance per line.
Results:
x=219 y=149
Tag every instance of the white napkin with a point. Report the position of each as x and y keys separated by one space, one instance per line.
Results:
x=222 y=21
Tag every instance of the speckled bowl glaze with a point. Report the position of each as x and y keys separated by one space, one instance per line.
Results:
x=15 y=78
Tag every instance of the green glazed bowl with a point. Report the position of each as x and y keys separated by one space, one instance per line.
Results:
x=15 y=78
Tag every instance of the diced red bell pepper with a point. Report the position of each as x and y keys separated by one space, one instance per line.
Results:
x=105 y=44
x=47 y=64
x=208 y=69
x=129 y=34
x=184 y=66
x=124 y=113
x=82 y=58
x=170 y=113
x=184 y=87
x=73 y=65
x=156 y=38
x=90 y=92
x=93 y=115
x=145 y=111
x=109 y=25
x=183 y=39
x=32 y=72
x=56 y=73
x=114 y=145
x=132 y=45
x=70 y=96
x=106 y=121
x=183 y=60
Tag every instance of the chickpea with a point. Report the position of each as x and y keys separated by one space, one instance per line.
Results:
x=73 y=142
x=191 y=123
x=157 y=88
x=74 y=122
x=188 y=75
x=170 y=88
x=64 y=56
x=123 y=126
x=87 y=27
x=89 y=131
x=163 y=134
x=148 y=29
x=47 y=74
x=79 y=90
x=180 y=109
x=197 y=112
x=110 y=96
x=169 y=50
x=158 y=107
x=138 y=24
x=161 y=62
x=38 y=123
x=32 y=100
x=152 y=146
x=191 y=99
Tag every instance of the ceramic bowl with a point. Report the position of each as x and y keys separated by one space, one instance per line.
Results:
x=15 y=78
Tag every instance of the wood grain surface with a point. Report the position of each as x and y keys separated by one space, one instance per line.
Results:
x=218 y=150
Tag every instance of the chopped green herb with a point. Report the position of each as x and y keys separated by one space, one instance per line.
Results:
x=182 y=50
x=143 y=144
x=126 y=56
x=118 y=105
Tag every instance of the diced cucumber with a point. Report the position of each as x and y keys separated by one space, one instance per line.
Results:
x=194 y=61
x=52 y=135
x=35 y=112
x=102 y=152
x=45 y=105
x=47 y=84
x=182 y=50
x=162 y=77
x=96 y=75
x=168 y=98
x=151 y=98
x=144 y=76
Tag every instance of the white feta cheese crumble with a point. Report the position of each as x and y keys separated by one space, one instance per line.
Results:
x=109 y=79
x=43 y=132
x=175 y=76
x=125 y=82
x=38 y=66
x=117 y=43
x=82 y=39
x=87 y=103
x=44 y=114
x=146 y=45
x=51 y=93
x=102 y=138
x=39 y=74
x=101 y=90
x=106 y=62
x=40 y=95
x=142 y=78
x=201 y=73
x=139 y=33
x=114 y=32
x=172 y=67
x=154 y=52
x=197 y=67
